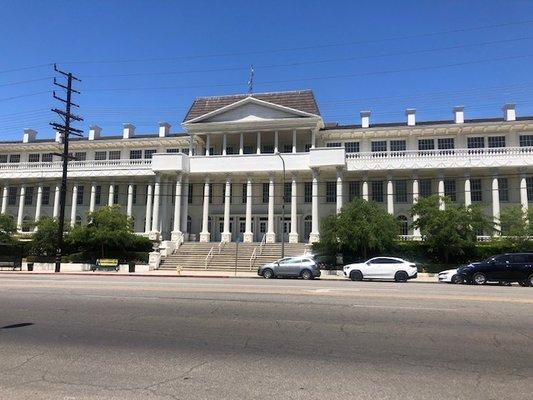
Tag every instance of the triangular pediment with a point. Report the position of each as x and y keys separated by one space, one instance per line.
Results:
x=250 y=109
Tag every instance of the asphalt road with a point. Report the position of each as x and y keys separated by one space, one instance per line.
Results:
x=83 y=337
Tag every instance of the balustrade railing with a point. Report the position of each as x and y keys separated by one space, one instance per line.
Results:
x=440 y=153
x=77 y=165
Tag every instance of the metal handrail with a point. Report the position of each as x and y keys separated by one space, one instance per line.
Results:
x=253 y=257
x=221 y=246
x=263 y=242
x=209 y=257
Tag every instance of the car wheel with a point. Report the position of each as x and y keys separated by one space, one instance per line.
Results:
x=523 y=283
x=306 y=274
x=356 y=275
x=401 y=276
x=530 y=280
x=268 y=273
x=479 y=278
x=455 y=279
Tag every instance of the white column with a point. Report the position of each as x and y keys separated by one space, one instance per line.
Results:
x=20 y=214
x=165 y=194
x=390 y=197
x=74 y=205
x=111 y=195
x=294 y=143
x=258 y=151
x=339 y=191
x=56 y=201
x=271 y=235
x=207 y=144
x=496 y=205
x=293 y=235
x=314 y=236
x=468 y=197
x=313 y=138
x=148 y=220
x=248 y=234
x=4 y=199
x=38 y=205
x=241 y=144
x=276 y=142
x=185 y=211
x=416 y=231
x=205 y=235
x=129 y=207
x=92 y=201
x=191 y=145
x=441 y=193
x=523 y=193
x=155 y=212
x=365 y=190
x=226 y=234
x=177 y=235
x=224 y=144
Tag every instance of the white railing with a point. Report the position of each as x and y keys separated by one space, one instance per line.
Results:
x=209 y=257
x=78 y=165
x=263 y=242
x=221 y=246
x=253 y=257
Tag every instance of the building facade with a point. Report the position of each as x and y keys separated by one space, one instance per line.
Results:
x=266 y=167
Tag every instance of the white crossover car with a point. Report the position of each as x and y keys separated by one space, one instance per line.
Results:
x=381 y=268
x=449 y=276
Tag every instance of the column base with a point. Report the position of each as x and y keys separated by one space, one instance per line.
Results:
x=153 y=235
x=270 y=237
x=177 y=236
x=205 y=237
x=248 y=237
x=294 y=238
x=314 y=237
x=225 y=237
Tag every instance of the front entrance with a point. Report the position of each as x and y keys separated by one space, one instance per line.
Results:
x=284 y=233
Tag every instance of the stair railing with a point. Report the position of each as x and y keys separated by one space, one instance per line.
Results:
x=209 y=257
x=253 y=257
x=263 y=242
x=221 y=246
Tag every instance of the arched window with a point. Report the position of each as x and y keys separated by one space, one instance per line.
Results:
x=403 y=224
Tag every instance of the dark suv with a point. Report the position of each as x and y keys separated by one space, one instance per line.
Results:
x=509 y=267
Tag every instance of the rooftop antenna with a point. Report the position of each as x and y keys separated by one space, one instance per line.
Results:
x=251 y=80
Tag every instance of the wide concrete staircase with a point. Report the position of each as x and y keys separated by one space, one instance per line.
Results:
x=192 y=255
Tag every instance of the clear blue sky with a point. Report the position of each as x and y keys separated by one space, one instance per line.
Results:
x=383 y=56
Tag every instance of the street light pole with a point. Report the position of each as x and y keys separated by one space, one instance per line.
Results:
x=282 y=209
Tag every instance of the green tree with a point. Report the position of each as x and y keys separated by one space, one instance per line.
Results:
x=362 y=228
x=44 y=240
x=8 y=228
x=449 y=232
x=515 y=228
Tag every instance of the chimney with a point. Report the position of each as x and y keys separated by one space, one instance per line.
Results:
x=411 y=120
x=509 y=112
x=29 y=136
x=59 y=137
x=365 y=119
x=129 y=131
x=459 y=114
x=94 y=132
x=164 y=129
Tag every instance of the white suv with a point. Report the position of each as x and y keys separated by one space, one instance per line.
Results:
x=381 y=268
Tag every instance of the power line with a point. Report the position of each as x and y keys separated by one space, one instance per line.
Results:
x=25 y=95
x=26 y=68
x=26 y=81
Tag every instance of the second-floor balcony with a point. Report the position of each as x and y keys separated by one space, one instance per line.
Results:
x=442 y=158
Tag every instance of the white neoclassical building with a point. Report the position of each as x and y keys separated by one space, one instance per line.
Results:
x=266 y=167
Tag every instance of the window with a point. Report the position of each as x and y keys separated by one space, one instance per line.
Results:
x=149 y=153
x=308 y=192
x=377 y=191
x=34 y=158
x=446 y=144
x=136 y=154
x=100 y=155
x=14 y=158
x=476 y=191
x=114 y=155
x=47 y=157
x=334 y=144
x=503 y=189
x=79 y=199
x=185 y=151
x=398 y=145
x=400 y=191
x=190 y=194
x=229 y=150
x=134 y=195
x=450 y=189
x=268 y=148
x=307 y=147
x=526 y=140
x=248 y=150
x=28 y=196
x=265 y=192
x=496 y=141
x=98 y=195
x=45 y=199
x=287 y=148
x=173 y=150
x=287 y=192
x=477 y=142
x=378 y=146
x=3 y=158
x=244 y=193
x=529 y=187
x=12 y=196
x=79 y=155
x=115 y=194
x=403 y=224
x=425 y=187
x=211 y=194
x=354 y=190
x=426 y=144
x=331 y=192
x=351 y=147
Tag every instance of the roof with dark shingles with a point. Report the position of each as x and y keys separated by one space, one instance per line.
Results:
x=302 y=100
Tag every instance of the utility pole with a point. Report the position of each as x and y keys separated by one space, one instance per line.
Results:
x=65 y=131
